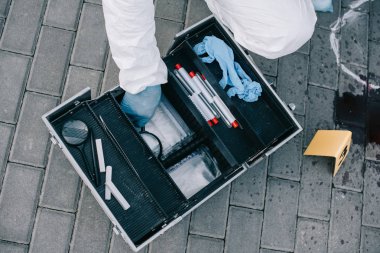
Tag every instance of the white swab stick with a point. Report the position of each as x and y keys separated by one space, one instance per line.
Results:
x=117 y=195
x=99 y=150
x=108 y=180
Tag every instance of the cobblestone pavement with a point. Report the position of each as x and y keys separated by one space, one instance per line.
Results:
x=51 y=49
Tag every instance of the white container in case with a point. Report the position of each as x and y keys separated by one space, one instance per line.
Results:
x=156 y=203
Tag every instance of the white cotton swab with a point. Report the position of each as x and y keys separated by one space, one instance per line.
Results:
x=108 y=180
x=99 y=150
x=115 y=192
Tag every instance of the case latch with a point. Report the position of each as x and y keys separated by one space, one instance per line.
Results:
x=53 y=140
x=116 y=230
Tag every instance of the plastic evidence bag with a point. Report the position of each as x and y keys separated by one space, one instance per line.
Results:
x=194 y=172
x=169 y=128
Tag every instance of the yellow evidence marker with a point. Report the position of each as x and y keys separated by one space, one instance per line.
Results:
x=331 y=143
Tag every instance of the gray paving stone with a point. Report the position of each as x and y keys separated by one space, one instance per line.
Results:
x=312 y=236
x=173 y=240
x=111 y=75
x=165 y=32
x=323 y=69
x=370 y=242
x=271 y=251
x=351 y=96
x=31 y=142
x=374 y=22
x=249 y=189
x=118 y=245
x=210 y=218
x=7 y=247
x=319 y=112
x=243 y=230
x=63 y=14
x=346 y=211
x=51 y=60
x=305 y=49
x=6 y=133
x=196 y=11
x=14 y=72
x=354 y=39
x=80 y=78
x=23 y=26
x=61 y=185
x=292 y=80
x=325 y=19
x=92 y=231
x=352 y=4
x=171 y=9
x=371 y=196
x=267 y=66
x=18 y=202
x=280 y=215
x=91 y=46
x=4 y=7
x=374 y=70
x=286 y=161
x=52 y=231
x=204 y=244
x=351 y=173
x=315 y=193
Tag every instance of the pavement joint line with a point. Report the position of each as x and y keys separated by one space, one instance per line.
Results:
x=76 y=214
x=7 y=123
x=26 y=164
x=60 y=28
x=279 y=176
x=42 y=93
x=55 y=209
x=322 y=87
x=2 y=176
x=14 y=52
x=87 y=2
x=207 y=236
x=356 y=64
x=85 y=67
x=246 y=207
x=171 y=20
x=265 y=198
x=19 y=243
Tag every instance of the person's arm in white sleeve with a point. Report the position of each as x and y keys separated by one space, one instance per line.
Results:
x=130 y=29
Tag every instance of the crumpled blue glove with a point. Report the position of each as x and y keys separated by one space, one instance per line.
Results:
x=140 y=107
x=233 y=74
x=218 y=50
x=252 y=89
x=323 y=5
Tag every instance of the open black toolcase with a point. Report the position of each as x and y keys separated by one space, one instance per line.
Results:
x=156 y=203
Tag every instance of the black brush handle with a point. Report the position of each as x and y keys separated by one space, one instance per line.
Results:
x=86 y=163
x=94 y=160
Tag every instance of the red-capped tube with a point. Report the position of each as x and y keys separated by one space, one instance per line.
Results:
x=235 y=124
x=218 y=103
x=195 y=97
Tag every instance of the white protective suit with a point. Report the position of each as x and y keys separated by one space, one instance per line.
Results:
x=271 y=28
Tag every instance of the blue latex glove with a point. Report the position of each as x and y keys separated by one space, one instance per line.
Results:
x=233 y=74
x=140 y=107
x=323 y=5
x=252 y=90
x=218 y=50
